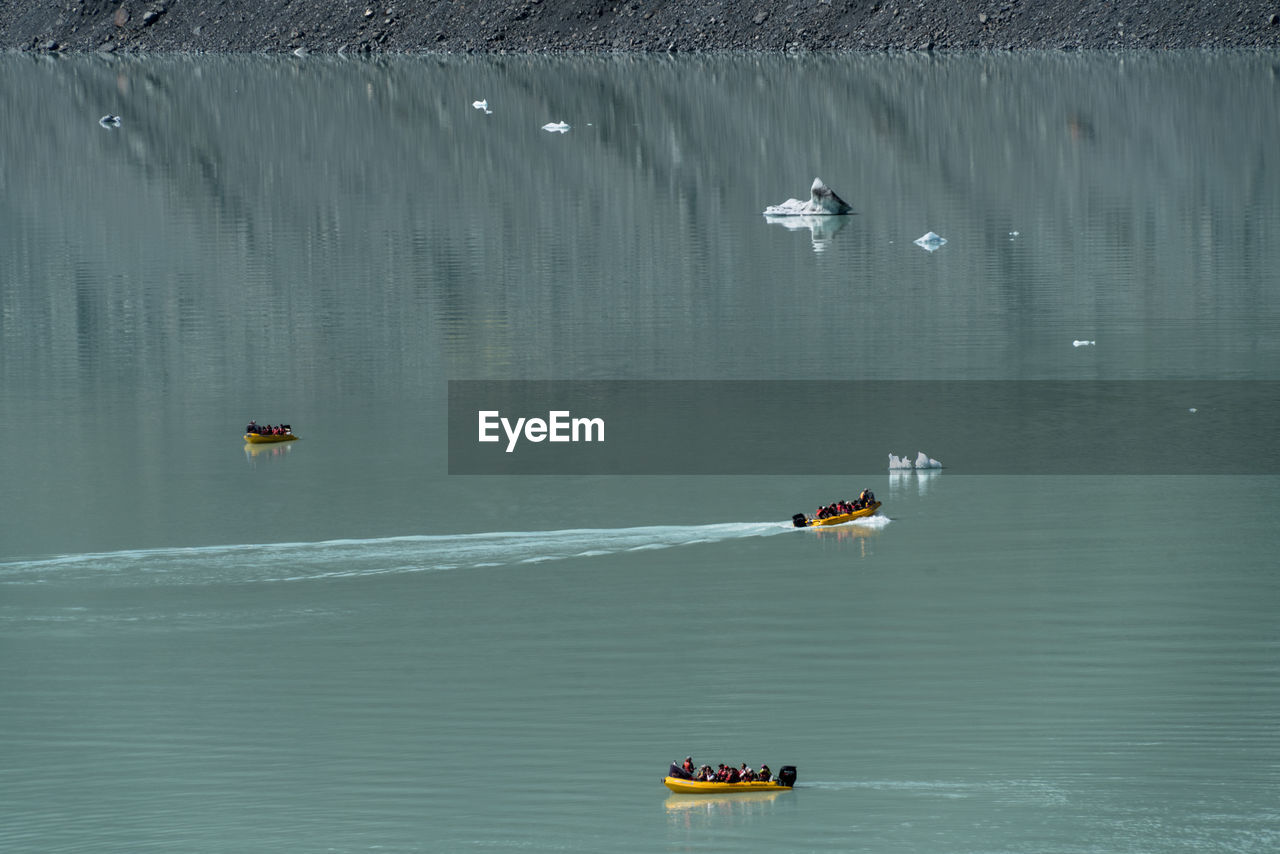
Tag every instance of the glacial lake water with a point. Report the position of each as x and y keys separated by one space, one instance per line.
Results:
x=335 y=645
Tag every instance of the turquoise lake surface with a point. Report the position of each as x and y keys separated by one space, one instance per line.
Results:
x=334 y=645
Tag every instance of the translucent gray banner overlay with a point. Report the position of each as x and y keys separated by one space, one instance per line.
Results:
x=804 y=427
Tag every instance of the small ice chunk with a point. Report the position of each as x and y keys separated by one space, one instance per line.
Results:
x=1081 y=342
x=556 y=127
x=1013 y=234
x=930 y=242
x=1192 y=410
x=109 y=121
x=922 y=461
x=822 y=202
x=481 y=105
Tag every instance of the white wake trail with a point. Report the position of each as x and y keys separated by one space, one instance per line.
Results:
x=270 y=562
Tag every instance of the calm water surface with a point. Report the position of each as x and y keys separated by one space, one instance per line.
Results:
x=335 y=646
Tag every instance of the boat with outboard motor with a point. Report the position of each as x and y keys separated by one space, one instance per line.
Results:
x=786 y=779
x=801 y=521
x=261 y=434
x=263 y=438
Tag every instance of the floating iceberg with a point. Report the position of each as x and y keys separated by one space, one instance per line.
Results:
x=109 y=121
x=483 y=106
x=931 y=242
x=822 y=202
x=1080 y=342
x=922 y=461
x=556 y=127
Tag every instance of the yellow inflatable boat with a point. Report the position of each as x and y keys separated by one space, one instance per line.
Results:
x=800 y=521
x=709 y=787
x=785 y=780
x=263 y=438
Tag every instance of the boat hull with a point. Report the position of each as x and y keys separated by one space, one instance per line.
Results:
x=844 y=517
x=708 y=787
x=265 y=438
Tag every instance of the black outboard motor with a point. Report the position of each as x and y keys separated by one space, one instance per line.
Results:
x=787 y=776
x=799 y=521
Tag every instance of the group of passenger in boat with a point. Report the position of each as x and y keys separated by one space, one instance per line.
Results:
x=723 y=774
x=268 y=429
x=863 y=501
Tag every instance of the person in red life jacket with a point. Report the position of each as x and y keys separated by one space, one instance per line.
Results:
x=746 y=774
x=688 y=766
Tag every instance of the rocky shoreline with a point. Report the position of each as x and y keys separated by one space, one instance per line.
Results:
x=597 y=26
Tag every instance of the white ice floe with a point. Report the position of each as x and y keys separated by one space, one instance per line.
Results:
x=109 y=121
x=483 y=106
x=556 y=127
x=1081 y=342
x=930 y=242
x=822 y=202
x=922 y=461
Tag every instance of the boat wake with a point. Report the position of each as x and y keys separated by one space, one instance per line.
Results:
x=1033 y=791
x=287 y=562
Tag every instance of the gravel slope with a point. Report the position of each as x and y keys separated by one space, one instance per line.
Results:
x=532 y=26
